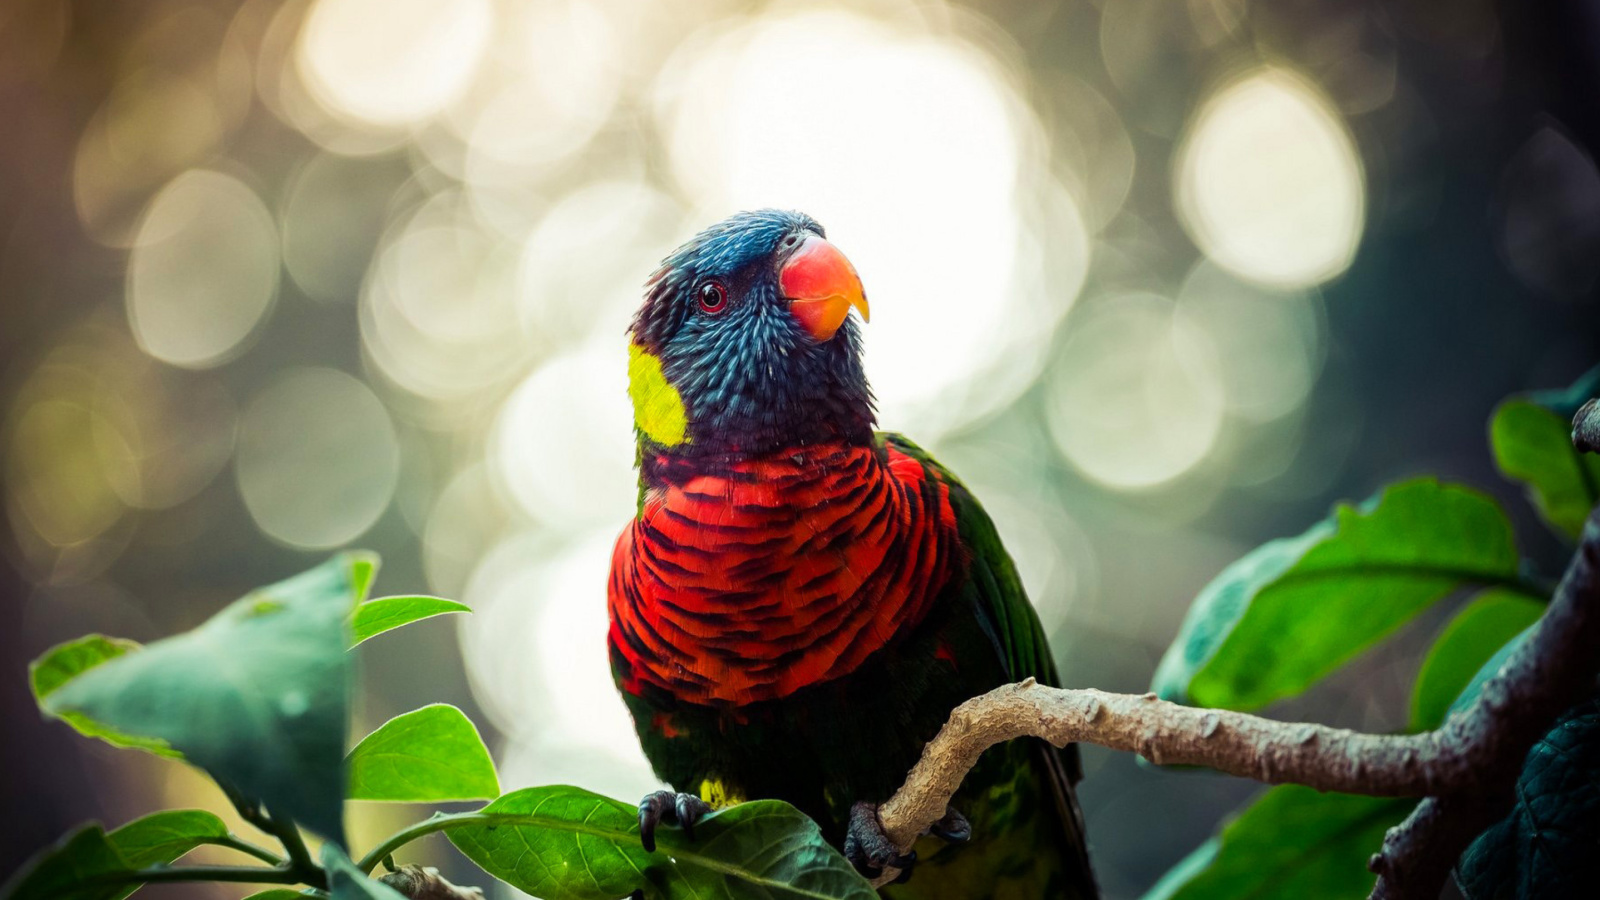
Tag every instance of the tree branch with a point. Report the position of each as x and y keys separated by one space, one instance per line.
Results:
x=1466 y=769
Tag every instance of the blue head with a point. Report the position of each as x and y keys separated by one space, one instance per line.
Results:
x=744 y=344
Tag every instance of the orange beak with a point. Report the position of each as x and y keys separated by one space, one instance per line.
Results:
x=821 y=286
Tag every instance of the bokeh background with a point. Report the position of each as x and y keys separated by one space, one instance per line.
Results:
x=1161 y=279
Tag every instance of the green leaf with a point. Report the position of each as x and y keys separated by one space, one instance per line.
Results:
x=1533 y=445
x=77 y=867
x=1295 y=609
x=257 y=696
x=1546 y=846
x=164 y=836
x=64 y=662
x=1292 y=842
x=429 y=754
x=363 y=569
x=1480 y=629
x=1487 y=671
x=346 y=882
x=565 y=843
x=377 y=616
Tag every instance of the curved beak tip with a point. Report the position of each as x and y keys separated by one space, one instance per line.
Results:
x=822 y=287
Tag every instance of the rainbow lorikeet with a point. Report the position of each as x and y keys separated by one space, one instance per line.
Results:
x=801 y=601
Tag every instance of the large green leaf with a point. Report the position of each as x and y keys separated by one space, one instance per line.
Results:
x=1533 y=445
x=164 y=836
x=1295 y=609
x=346 y=882
x=1480 y=629
x=80 y=866
x=64 y=662
x=257 y=696
x=565 y=843
x=429 y=754
x=1292 y=843
x=374 y=617
x=1546 y=847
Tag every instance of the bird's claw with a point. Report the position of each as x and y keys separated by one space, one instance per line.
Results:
x=953 y=828
x=673 y=808
x=869 y=849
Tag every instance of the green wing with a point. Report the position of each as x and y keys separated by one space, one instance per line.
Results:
x=1002 y=604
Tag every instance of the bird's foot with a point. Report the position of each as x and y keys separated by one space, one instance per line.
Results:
x=673 y=808
x=953 y=828
x=869 y=849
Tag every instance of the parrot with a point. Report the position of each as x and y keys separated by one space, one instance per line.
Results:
x=801 y=600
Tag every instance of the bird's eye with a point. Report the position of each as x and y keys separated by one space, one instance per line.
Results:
x=713 y=297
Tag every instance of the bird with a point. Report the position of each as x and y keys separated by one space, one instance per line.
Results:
x=801 y=600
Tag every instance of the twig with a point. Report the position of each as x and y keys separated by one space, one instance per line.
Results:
x=1466 y=768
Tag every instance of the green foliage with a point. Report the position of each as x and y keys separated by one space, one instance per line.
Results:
x=164 y=836
x=1546 y=846
x=429 y=754
x=1295 y=609
x=1471 y=639
x=1533 y=445
x=1488 y=670
x=81 y=866
x=64 y=662
x=374 y=617
x=565 y=843
x=257 y=696
x=1293 y=842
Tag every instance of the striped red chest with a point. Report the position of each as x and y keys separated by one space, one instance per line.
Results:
x=778 y=572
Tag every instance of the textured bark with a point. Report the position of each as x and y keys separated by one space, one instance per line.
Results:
x=425 y=883
x=1465 y=769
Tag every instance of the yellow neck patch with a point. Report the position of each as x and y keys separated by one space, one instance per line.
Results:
x=657 y=409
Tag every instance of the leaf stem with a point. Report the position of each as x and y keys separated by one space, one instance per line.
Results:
x=439 y=822
x=299 y=862
x=299 y=857
x=234 y=842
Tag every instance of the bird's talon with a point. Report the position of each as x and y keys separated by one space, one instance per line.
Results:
x=953 y=828
x=869 y=849
x=673 y=808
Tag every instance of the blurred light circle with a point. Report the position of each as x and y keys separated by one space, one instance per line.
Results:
x=1095 y=148
x=1268 y=343
x=332 y=218
x=464 y=519
x=203 y=271
x=563 y=444
x=1550 y=216
x=1269 y=184
x=1137 y=396
x=535 y=646
x=912 y=149
x=558 y=79
x=317 y=458
x=438 y=308
x=170 y=435
x=57 y=480
x=583 y=268
x=389 y=63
